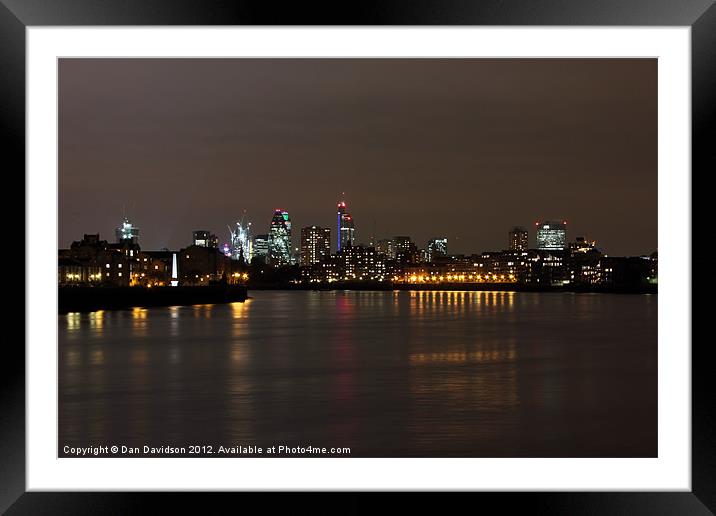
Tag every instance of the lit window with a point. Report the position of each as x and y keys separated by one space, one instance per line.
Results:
x=119 y=274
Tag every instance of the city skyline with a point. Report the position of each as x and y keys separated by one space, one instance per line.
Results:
x=531 y=237
x=425 y=148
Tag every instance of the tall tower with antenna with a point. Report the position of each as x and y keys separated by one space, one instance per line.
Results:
x=346 y=226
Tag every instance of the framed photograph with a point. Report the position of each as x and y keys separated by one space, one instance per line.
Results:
x=423 y=248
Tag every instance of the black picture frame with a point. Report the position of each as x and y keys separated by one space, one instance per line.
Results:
x=700 y=15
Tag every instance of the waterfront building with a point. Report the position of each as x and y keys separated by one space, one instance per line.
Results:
x=279 y=239
x=631 y=272
x=117 y=262
x=154 y=268
x=315 y=244
x=583 y=262
x=551 y=235
x=521 y=265
x=361 y=263
x=352 y=263
x=72 y=272
x=552 y=268
x=524 y=267
x=346 y=227
x=201 y=265
x=436 y=247
x=518 y=239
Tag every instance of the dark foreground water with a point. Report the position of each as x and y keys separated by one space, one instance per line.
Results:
x=473 y=374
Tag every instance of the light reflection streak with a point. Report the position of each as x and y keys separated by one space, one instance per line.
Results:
x=203 y=311
x=139 y=321
x=96 y=320
x=459 y=302
x=97 y=357
x=462 y=357
x=174 y=321
x=74 y=321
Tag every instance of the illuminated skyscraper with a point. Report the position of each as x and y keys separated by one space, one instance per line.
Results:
x=551 y=235
x=436 y=247
x=346 y=227
x=127 y=231
x=315 y=244
x=279 y=239
x=261 y=247
x=518 y=239
x=241 y=244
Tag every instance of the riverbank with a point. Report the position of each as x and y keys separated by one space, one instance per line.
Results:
x=88 y=299
x=487 y=287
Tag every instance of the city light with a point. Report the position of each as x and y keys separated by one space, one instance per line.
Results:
x=555 y=262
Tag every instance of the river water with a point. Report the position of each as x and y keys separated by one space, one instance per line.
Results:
x=386 y=374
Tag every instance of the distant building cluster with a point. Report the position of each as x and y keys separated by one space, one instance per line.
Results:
x=552 y=261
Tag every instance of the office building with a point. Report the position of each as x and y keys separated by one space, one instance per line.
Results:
x=346 y=227
x=551 y=236
x=261 y=247
x=518 y=239
x=315 y=244
x=436 y=247
x=279 y=239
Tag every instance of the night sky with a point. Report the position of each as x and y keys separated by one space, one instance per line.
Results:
x=462 y=148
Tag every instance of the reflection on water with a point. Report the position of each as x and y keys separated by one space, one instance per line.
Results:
x=420 y=373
